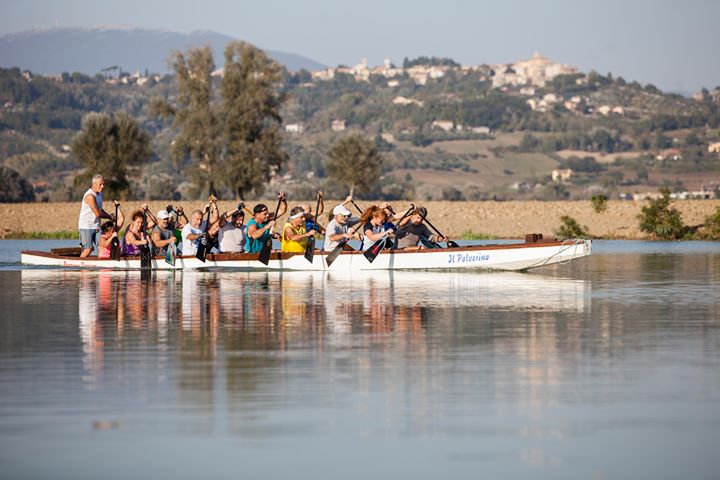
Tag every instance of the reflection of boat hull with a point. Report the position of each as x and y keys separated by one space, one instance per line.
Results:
x=521 y=256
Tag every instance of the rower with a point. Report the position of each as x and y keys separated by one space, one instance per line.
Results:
x=412 y=231
x=294 y=237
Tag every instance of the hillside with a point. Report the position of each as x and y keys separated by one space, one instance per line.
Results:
x=446 y=132
x=91 y=50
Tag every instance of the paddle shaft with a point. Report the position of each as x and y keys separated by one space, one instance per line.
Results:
x=409 y=211
x=438 y=231
x=267 y=246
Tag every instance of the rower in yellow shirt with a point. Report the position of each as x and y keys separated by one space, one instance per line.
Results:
x=294 y=238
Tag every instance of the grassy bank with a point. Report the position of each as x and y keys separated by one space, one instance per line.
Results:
x=59 y=235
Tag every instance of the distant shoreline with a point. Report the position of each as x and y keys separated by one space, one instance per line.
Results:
x=487 y=219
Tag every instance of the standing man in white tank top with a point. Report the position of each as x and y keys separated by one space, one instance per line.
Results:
x=91 y=212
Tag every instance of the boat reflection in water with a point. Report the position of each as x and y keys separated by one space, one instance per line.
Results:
x=259 y=311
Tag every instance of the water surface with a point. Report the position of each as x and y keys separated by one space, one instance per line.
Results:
x=607 y=367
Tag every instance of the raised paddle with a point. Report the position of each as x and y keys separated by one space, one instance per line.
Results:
x=145 y=249
x=115 y=242
x=407 y=214
x=264 y=257
x=310 y=247
x=356 y=206
x=340 y=246
x=450 y=243
x=203 y=243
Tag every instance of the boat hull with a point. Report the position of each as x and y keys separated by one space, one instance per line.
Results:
x=522 y=256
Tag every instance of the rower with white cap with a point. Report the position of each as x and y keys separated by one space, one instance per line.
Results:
x=338 y=227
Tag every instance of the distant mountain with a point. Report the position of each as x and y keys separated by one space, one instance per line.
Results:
x=89 y=50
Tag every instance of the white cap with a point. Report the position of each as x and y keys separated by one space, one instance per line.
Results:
x=341 y=210
x=162 y=214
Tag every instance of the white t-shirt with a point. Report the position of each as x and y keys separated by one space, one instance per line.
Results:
x=189 y=247
x=88 y=220
x=231 y=238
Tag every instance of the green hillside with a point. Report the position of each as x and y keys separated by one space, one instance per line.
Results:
x=452 y=137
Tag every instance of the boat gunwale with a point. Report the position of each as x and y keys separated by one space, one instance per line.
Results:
x=278 y=255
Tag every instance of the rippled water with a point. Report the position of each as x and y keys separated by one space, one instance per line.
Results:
x=608 y=367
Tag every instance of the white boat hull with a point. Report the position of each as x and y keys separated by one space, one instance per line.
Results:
x=491 y=257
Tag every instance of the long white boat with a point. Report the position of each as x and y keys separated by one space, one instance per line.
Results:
x=515 y=256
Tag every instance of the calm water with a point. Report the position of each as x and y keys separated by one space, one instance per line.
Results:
x=608 y=367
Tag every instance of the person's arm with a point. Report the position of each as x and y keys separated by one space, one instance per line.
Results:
x=90 y=200
x=321 y=206
x=374 y=237
x=132 y=239
x=214 y=212
x=294 y=237
x=282 y=209
x=153 y=221
x=120 y=219
x=256 y=233
x=105 y=241
x=182 y=219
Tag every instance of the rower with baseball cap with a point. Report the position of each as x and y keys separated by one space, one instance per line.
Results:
x=338 y=228
x=162 y=234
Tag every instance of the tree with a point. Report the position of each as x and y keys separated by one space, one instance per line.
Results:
x=251 y=118
x=234 y=142
x=194 y=115
x=14 y=187
x=599 y=203
x=661 y=220
x=108 y=145
x=355 y=163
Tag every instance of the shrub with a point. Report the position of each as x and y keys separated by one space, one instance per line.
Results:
x=711 y=230
x=570 y=228
x=661 y=220
x=599 y=203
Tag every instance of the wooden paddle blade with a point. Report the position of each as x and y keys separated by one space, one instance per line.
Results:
x=336 y=251
x=170 y=254
x=202 y=249
x=145 y=257
x=115 y=249
x=310 y=249
x=373 y=251
x=264 y=257
x=452 y=244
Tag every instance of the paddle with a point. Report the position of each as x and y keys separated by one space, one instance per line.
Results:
x=115 y=242
x=202 y=248
x=450 y=243
x=264 y=257
x=310 y=247
x=372 y=252
x=407 y=213
x=356 y=206
x=427 y=243
x=145 y=249
x=340 y=247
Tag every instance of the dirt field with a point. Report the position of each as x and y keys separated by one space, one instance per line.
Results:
x=497 y=219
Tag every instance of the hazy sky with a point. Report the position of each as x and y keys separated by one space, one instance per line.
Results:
x=671 y=44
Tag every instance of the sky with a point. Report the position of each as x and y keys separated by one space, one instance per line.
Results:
x=671 y=44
